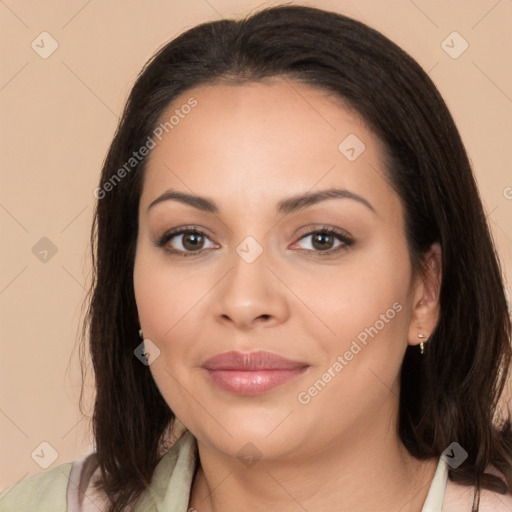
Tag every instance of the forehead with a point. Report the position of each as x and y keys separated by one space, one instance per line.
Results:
x=257 y=142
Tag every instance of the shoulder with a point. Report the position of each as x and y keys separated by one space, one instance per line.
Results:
x=41 y=492
x=69 y=487
x=459 y=498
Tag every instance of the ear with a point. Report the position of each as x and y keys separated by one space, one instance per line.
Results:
x=425 y=312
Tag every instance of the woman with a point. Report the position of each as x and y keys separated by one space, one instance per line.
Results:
x=297 y=304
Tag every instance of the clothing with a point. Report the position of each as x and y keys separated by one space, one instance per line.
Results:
x=61 y=489
x=64 y=488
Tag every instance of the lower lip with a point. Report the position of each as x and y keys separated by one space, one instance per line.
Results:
x=253 y=382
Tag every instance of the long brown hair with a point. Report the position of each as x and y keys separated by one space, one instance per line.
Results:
x=451 y=393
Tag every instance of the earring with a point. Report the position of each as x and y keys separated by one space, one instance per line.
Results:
x=140 y=334
x=422 y=344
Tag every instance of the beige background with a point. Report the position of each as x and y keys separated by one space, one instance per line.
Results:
x=59 y=114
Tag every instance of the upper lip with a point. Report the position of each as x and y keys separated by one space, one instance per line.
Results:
x=251 y=361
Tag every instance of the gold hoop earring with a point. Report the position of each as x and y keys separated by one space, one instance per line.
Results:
x=140 y=334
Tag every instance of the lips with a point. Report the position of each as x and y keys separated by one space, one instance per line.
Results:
x=251 y=373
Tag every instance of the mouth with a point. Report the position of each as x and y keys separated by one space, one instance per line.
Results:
x=251 y=373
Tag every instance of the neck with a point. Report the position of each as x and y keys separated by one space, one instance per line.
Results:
x=361 y=474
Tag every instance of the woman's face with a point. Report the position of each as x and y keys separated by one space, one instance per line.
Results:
x=337 y=305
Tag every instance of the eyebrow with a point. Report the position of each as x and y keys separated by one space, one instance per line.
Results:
x=286 y=206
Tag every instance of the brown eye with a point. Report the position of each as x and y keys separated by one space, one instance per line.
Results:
x=184 y=241
x=323 y=241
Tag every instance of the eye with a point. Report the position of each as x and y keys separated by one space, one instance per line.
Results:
x=190 y=241
x=323 y=240
x=184 y=241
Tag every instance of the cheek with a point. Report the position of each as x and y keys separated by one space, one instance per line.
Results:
x=368 y=314
x=168 y=304
x=172 y=305
x=358 y=294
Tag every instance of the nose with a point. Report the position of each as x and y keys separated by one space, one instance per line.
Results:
x=251 y=295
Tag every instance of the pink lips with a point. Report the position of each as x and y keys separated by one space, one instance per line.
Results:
x=251 y=373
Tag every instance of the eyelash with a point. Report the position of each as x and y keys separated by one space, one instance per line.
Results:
x=340 y=235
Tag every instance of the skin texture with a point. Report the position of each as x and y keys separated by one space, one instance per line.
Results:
x=246 y=148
